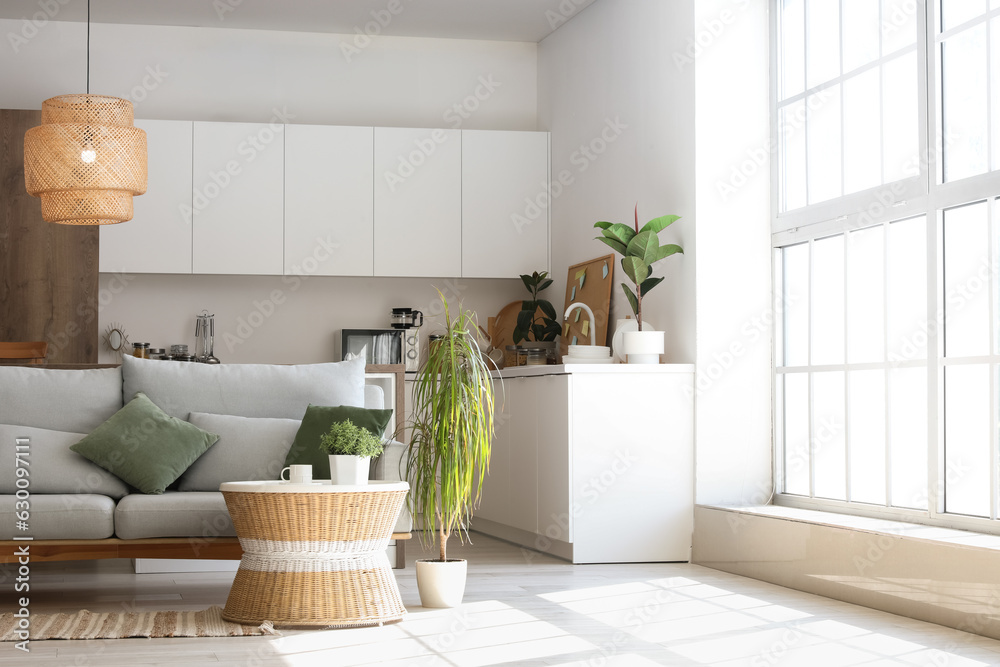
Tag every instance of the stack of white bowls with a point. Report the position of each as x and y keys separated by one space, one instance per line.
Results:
x=587 y=354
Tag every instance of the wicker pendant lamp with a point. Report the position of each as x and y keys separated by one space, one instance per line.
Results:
x=86 y=160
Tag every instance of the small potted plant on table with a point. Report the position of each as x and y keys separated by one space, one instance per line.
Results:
x=640 y=249
x=350 y=448
x=449 y=451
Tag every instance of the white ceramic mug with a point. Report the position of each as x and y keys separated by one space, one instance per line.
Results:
x=299 y=474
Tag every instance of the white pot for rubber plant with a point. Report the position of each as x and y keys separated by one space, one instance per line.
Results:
x=643 y=347
x=441 y=583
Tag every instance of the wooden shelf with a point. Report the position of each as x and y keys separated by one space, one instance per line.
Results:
x=43 y=551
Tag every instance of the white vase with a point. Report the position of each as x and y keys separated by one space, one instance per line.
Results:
x=618 y=340
x=441 y=584
x=643 y=347
x=352 y=470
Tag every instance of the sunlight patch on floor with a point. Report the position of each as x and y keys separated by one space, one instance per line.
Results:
x=680 y=614
x=626 y=660
x=473 y=635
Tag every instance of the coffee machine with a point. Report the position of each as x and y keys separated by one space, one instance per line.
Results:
x=410 y=321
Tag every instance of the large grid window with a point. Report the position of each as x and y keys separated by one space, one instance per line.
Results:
x=886 y=115
x=847 y=97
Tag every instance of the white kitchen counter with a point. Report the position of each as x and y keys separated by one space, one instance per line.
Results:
x=600 y=369
x=593 y=463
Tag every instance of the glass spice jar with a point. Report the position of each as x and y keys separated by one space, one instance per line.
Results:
x=140 y=350
x=536 y=357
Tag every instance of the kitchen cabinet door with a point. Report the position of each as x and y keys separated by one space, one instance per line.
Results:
x=523 y=466
x=632 y=477
x=495 y=503
x=237 y=198
x=418 y=202
x=551 y=403
x=329 y=210
x=505 y=203
x=158 y=237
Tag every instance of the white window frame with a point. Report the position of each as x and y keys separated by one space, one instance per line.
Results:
x=927 y=195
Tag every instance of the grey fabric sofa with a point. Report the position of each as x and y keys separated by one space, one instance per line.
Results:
x=257 y=406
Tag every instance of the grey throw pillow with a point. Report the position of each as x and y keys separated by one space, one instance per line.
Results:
x=248 y=449
x=52 y=466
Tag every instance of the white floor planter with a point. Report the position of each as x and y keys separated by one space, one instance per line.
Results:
x=643 y=347
x=349 y=469
x=441 y=584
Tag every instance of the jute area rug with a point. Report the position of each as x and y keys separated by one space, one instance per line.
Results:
x=121 y=625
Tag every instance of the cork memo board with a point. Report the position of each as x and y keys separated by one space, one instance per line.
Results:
x=589 y=282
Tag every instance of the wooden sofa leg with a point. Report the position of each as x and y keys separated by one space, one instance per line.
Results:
x=400 y=554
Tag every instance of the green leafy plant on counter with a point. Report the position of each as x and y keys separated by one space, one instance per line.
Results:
x=640 y=249
x=529 y=325
x=347 y=439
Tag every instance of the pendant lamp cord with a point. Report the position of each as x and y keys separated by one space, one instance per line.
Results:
x=88 y=47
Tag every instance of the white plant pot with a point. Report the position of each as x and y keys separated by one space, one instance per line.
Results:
x=351 y=470
x=643 y=347
x=441 y=584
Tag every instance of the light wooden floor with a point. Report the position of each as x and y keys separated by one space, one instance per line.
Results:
x=521 y=608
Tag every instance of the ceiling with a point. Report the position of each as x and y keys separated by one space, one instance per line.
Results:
x=504 y=20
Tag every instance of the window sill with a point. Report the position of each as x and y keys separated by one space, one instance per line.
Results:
x=916 y=531
x=935 y=574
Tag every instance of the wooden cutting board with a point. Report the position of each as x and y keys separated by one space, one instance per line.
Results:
x=502 y=326
x=502 y=332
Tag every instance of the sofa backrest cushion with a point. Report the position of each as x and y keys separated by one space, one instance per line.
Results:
x=52 y=467
x=249 y=449
x=76 y=401
x=244 y=390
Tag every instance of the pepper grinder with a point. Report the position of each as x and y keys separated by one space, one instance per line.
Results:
x=204 y=338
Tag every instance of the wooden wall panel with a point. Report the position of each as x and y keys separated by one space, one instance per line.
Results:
x=48 y=272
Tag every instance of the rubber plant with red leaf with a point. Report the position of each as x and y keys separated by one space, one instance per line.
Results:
x=640 y=249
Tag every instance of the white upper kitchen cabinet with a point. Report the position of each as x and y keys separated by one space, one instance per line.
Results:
x=505 y=203
x=158 y=237
x=237 y=198
x=418 y=202
x=329 y=206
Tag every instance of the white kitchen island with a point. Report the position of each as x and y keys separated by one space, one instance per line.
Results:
x=593 y=463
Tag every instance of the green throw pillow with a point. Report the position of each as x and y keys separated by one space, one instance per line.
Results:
x=144 y=446
x=317 y=421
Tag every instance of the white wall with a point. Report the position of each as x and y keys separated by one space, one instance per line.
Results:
x=607 y=77
x=265 y=319
x=245 y=75
x=692 y=113
x=733 y=316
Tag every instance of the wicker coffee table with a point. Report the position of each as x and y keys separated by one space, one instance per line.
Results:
x=314 y=554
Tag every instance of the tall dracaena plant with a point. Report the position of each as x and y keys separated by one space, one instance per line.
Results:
x=449 y=452
x=640 y=249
